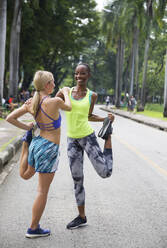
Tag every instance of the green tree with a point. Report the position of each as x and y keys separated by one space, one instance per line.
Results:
x=62 y=30
x=165 y=89
x=53 y=34
x=154 y=13
x=112 y=27
x=3 y=14
x=14 y=49
x=102 y=66
x=133 y=22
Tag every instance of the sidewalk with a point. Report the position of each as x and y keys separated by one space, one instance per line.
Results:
x=153 y=122
x=10 y=140
x=10 y=136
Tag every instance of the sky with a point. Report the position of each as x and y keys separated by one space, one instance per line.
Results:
x=100 y=4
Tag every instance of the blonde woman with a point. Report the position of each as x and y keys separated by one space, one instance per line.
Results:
x=41 y=153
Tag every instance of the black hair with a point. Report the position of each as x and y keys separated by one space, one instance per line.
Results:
x=86 y=65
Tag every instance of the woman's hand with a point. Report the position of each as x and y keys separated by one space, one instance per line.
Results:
x=111 y=117
x=13 y=118
x=65 y=90
x=66 y=104
x=28 y=102
x=30 y=125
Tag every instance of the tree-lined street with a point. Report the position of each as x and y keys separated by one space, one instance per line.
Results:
x=124 y=45
x=126 y=210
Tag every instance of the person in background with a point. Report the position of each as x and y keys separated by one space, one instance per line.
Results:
x=132 y=104
x=9 y=103
x=24 y=95
x=3 y=101
x=107 y=101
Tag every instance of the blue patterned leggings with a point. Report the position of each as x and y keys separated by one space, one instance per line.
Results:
x=101 y=161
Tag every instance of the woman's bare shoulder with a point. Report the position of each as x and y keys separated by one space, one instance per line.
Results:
x=94 y=95
x=55 y=100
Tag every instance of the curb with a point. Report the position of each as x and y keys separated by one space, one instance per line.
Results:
x=10 y=151
x=151 y=123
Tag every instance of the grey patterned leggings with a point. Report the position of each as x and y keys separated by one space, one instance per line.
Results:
x=101 y=161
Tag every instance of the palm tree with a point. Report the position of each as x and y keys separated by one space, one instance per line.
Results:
x=165 y=90
x=134 y=70
x=112 y=27
x=14 y=50
x=154 y=12
x=119 y=71
x=131 y=20
x=122 y=19
x=3 y=13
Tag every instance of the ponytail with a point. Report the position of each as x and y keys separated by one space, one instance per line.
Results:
x=40 y=79
x=35 y=102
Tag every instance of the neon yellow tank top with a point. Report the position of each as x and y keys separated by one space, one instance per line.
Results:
x=77 y=119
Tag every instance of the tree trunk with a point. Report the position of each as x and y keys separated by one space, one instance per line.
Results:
x=117 y=74
x=165 y=90
x=137 y=69
x=14 y=50
x=149 y=13
x=94 y=81
x=142 y=98
x=119 y=70
x=3 y=13
x=132 y=70
x=134 y=60
x=126 y=77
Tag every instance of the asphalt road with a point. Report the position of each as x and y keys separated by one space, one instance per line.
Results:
x=128 y=210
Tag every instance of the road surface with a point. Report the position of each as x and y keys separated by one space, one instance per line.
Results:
x=128 y=210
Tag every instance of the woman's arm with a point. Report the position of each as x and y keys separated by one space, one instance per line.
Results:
x=92 y=117
x=97 y=118
x=66 y=104
x=13 y=118
x=60 y=94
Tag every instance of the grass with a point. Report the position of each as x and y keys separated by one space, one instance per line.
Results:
x=3 y=147
x=152 y=110
x=154 y=107
x=4 y=114
x=153 y=114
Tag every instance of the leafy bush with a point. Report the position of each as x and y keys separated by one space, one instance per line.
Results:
x=154 y=107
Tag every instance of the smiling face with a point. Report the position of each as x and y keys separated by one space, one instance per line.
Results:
x=82 y=74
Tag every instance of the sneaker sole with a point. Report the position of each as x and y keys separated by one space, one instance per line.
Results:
x=32 y=236
x=104 y=129
x=75 y=227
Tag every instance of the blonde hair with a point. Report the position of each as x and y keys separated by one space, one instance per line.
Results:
x=41 y=78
